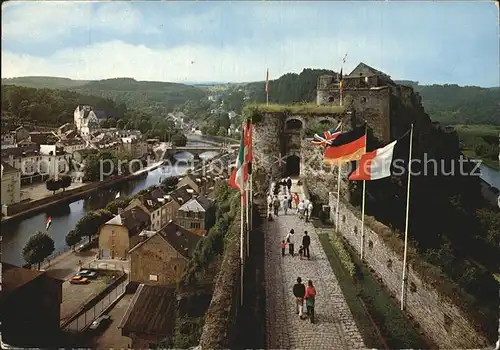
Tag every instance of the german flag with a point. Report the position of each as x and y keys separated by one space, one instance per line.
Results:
x=346 y=147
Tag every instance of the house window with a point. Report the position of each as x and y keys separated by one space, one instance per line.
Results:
x=363 y=99
x=153 y=277
x=343 y=219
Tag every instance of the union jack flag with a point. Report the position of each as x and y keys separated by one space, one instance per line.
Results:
x=327 y=136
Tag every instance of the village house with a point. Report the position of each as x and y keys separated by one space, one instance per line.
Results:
x=30 y=306
x=85 y=120
x=121 y=233
x=196 y=214
x=71 y=145
x=8 y=139
x=53 y=160
x=42 y=137
x=160 y=258
x=11 y=185
x=196 y=182
x=134 y=146
x=20 y=134
x=152 y=203
x=150 y=318
x=174 y=200
x=25 y=159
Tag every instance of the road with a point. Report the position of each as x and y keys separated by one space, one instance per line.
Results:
x=111 y=337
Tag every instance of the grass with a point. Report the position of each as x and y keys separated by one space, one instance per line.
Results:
x=381 y=323
x=306 y=109
x=471 y=135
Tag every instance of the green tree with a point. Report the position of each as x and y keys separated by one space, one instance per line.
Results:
x=169 y=183
x=122 y=203
x=72 y=239
x=38 y=248
x=65 y=181
x=53 y=185
x=90 y=223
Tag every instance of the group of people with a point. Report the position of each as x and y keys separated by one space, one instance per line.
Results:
x=290 y=242
x=301 y=293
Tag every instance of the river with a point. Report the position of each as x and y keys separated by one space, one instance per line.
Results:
x=64 y=217
x=491 y=176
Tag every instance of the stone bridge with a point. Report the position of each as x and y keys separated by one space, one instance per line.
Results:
x=168 y=149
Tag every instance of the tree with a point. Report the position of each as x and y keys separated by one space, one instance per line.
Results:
x=90 y=223
x=169 y=183
x=72 y=239
x=113 y=206
x=65 y=181
x=38 y=248
x=53 y=185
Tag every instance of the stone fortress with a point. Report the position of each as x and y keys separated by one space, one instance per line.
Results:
x=281 y=148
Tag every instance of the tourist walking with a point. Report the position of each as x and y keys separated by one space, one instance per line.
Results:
x=309 y=211
x=285 y=205
x=276 y=205
x=310 y=297
x=290 y=202
x=289 y=185
x=306 y=208
x=306 y=242
x=296 y=199
x=301 y=209
x=290 y=239
x=299 y=291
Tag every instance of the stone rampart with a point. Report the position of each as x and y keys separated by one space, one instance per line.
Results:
x=449 y=323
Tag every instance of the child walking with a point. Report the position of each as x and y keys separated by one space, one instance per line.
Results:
x=283 y=248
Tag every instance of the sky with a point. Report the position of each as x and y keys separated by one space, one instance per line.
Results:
x=429 y=42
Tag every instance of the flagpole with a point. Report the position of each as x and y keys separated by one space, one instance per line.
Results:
x=338 y=191
x=247 y=191
x=242 y=246
x=363 y=207
x=403 y=282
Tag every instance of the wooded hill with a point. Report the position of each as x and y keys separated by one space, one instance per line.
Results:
x=148 y=96
x=448 y=104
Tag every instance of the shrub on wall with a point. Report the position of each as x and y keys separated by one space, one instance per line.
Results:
x=343 y=254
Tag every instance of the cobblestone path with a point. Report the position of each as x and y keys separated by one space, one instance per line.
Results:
x=334 y=326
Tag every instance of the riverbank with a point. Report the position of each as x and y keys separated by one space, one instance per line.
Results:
x=22 y=210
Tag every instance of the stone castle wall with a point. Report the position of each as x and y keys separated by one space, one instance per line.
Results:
x=440 y=318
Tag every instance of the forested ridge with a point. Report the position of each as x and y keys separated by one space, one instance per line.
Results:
x=148 y=96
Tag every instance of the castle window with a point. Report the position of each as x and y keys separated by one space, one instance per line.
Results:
x=363 y=99
x=370 y=244
x=413 y=287
x=343 y=219
x=389 y=264
x=331 y=99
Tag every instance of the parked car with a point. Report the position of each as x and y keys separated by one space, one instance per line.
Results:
x=79 y=280
x=100 y=322
x=87 y=273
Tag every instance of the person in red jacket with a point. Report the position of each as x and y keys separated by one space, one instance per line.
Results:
x=310 y=299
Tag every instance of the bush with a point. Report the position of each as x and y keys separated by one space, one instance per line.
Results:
x=343 y=255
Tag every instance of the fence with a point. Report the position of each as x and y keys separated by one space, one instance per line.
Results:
x=104 y=266
x=87 y=317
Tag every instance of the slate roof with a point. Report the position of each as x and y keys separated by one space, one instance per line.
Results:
x=17 y=152
x=134 y=219
x=154 y=199
x=151 y=311
x=181 y=239
x=199 y=204
x=7 y=168
x=182 y=194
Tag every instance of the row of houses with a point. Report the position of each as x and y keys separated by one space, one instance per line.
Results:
x=159 y=240
x=158 y=233
x=30 y=157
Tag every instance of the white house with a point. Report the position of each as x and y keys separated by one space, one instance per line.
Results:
x=85 y=120
x=11 y=184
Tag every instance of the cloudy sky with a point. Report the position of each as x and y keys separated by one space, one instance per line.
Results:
x=431 y=42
